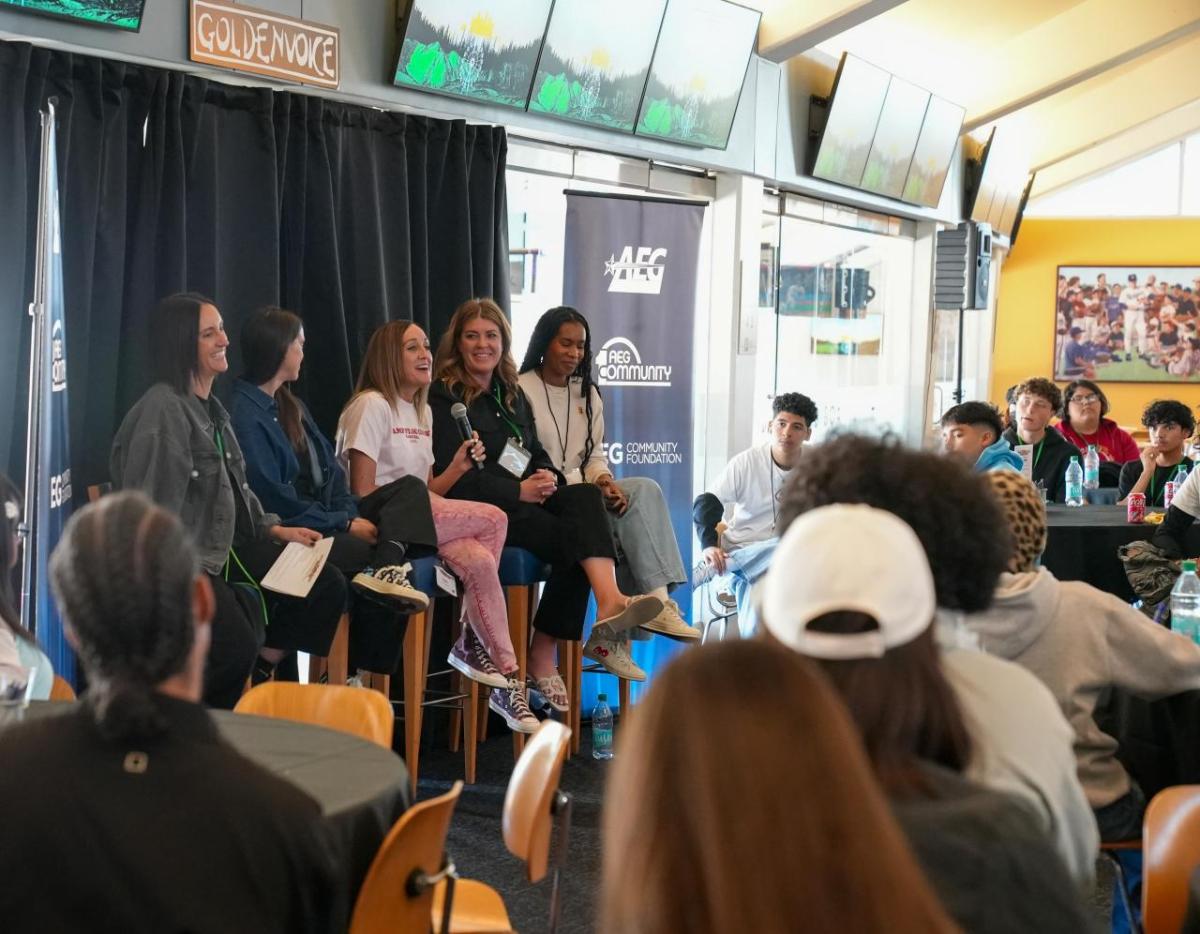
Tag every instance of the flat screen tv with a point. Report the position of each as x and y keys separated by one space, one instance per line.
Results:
x=595 y=61
x=984 y=190
x=481 y=50
x=855 y=103
x=934 y=151
x=120 y=14
x=895 y=139
x=697 y=73
x=1020 y=213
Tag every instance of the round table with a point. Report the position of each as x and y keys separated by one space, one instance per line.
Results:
x=362 y=788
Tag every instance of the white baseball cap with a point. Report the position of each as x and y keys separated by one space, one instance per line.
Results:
x=848 y=557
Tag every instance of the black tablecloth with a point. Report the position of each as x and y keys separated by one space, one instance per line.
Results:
x=1082 y=545
x=362 y=788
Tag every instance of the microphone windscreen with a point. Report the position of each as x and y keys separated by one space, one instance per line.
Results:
x=458 y=410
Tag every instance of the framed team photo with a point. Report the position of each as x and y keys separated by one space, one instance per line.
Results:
x=1128 y=324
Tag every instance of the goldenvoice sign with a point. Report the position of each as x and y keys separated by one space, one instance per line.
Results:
x=618 y=363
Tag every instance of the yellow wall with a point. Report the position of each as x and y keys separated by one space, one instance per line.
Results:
x=1025 y=317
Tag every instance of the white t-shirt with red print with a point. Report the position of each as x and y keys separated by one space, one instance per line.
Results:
x=392 y=435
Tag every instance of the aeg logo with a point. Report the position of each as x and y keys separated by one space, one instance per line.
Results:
x=640 y=274
x=618 y=363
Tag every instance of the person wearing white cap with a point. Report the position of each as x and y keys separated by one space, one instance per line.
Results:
x=851 y=588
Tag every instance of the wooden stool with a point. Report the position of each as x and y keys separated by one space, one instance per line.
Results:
x=333 y=668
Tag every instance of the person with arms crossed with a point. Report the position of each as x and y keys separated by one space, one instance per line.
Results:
x=971 y=432
x=746 y=494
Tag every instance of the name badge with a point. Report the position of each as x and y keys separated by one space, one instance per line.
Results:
x=1025 y=452
x=445 y=579
x=515 y=458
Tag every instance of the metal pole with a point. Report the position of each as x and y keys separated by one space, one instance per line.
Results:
x=958 y=382
x=37 y=364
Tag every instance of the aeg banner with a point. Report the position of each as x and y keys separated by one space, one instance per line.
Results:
x=630 y=267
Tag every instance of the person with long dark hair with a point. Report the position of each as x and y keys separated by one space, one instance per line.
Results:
x=178 y=445
x=564 y=525
x=20 y=655
x=783 y=827
x=134 y=814
x=851 y=588
x=1083 y=423
x=383 y=437
x=293 y=470
x=556 y=376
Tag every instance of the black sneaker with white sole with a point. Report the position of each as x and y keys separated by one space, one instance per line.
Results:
x=391 y=583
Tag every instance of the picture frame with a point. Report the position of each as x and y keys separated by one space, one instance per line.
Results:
x=112 y=14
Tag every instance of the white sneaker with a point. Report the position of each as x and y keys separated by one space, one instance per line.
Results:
x=670 y=622
x=614 y=656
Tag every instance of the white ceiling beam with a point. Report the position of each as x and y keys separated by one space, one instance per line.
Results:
x=790 y=28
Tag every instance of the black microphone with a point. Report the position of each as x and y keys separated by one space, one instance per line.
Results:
x=458 y=412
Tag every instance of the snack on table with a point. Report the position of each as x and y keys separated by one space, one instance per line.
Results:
x=1155 y=518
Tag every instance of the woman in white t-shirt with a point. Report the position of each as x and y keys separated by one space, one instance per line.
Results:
x=556 y=376
x=384 y=433
x=20 y=655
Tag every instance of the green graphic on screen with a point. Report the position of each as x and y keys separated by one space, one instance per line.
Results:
x=123 y=14
x=483 y=50
x=595 y=61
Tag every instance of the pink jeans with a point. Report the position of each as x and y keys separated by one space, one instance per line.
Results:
x=470 y=539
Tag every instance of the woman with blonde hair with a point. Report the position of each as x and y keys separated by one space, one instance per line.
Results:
x=565 y=526
x=782 y=827
x=384 y=434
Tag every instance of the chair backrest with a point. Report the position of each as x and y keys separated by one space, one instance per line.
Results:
x=528 y=819
x=1171 y=850
x=96 y=490
x=415 y=844
x=61 y=689
x=364 y=713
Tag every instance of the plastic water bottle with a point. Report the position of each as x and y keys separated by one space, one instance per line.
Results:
x=1091 y=468
x=1185 y=603
x=1180 y=475
x=1074 y=483
x=602 y=729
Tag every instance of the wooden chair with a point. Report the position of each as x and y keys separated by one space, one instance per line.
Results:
x=397 y=894
x=61 y=689
x=1171 y=851
x=533 y=805
x=352 y=710
x=333 y=668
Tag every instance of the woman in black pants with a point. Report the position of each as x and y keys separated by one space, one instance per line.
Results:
x=565 y=526
x=177 y=444
x=292 y=470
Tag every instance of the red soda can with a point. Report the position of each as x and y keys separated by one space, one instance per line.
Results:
x=1135 y=507
x=1169 y=491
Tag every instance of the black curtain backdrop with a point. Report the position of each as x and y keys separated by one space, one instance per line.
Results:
x=346 y=215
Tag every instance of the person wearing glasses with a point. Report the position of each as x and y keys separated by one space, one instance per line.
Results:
x=1083 y=423
x=746 y=496
x=1170 y=424
x=1049 y=453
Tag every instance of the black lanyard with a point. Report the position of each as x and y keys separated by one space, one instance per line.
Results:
x=563 y=436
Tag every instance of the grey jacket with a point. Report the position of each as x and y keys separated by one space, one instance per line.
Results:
x=166 y=447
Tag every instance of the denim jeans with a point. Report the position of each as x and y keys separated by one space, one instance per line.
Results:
x=646 y=539
x=743 y=567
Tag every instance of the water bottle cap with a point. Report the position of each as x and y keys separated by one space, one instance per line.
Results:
x=1074 y=460
x=1189 y=566
x=601 y=698
x=1091 y=447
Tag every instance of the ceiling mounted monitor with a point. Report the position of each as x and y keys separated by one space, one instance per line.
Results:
x=481 y=50
x=934 y=152
x=698 y=70
x=595 y=61
x=855 y=103
x=895 y=139
x=120 y=14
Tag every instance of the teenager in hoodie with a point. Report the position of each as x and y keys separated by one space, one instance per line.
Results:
x=971 y=432
x=1080 y=641
x=1038 y=400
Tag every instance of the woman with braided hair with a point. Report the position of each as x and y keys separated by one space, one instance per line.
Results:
x=130 y=801
x=556 y=376
x=20 y=655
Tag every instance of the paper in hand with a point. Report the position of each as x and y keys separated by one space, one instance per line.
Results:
x=296 y=568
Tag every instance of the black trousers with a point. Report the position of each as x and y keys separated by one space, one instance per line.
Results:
x=570 y=526
x=292 y=623
x=401 y=512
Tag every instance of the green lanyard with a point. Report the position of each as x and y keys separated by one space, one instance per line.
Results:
x=232 y=557
x=1037 y=450
x=513 y=426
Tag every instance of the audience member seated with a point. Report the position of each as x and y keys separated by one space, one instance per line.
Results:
x=782 y=828
x=1080 y=641
x=177 y=445
x=1050 y=454
x=1170 y=424
x=556 y=377
x=746 y=496
x=128 y=812
x=384 y=438
x=1021 y=742
x=20 y=656
x=971 y=432
x=292 y=470
x=1083 y=424
x=851 y=588
x=564 y=525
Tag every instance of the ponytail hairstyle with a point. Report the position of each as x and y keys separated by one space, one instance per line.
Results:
x=266 y=337
x=10 y=516
x=543 y=333
x=123 y=576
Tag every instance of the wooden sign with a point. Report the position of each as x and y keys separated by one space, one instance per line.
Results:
x=242 y=38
